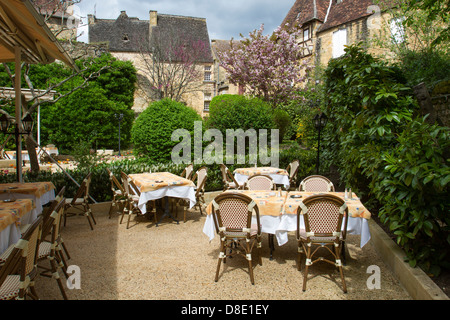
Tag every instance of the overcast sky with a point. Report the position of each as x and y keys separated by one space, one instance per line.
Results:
x=226 y=19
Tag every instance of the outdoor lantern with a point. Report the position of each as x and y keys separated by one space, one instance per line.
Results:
x=4 y=123
x=27 y=123
x=320 y=121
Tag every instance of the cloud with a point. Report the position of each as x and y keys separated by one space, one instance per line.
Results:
x=225 y=18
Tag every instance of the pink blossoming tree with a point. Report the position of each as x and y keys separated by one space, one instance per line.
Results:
x=270 y=67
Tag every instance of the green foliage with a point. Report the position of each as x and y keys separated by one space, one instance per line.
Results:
x=412 y=185
x=239 y=112
x=383 y=151
x=152 y=131
x=282 y=121
x=88 y=113
x=425 y=66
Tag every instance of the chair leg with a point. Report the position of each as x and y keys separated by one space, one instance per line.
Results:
x=222 y=256
x=341 y=271
x=91 y=214
x=65 y=249
x=57 y=278
x=129 y=217
x=305 y=275
x=344 y=258
x=114 y=204
x=250 y=269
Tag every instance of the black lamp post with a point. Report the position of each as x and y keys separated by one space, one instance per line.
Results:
x=119 y=117
x=27 y=123
x=320 y=121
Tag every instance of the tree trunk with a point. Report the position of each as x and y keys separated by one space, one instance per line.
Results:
x=31 y=148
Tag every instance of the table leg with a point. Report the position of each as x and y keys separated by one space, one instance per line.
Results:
x=271 y=246
x=167 y=212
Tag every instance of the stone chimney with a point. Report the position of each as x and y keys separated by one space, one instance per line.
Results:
x=153 y=18
x=91 y=19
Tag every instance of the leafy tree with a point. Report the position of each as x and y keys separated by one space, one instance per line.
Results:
x=269 y=66
x=89 y=114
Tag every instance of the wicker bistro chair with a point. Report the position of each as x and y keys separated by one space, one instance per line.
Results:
x=199 y=179
x=132 y=193
x=260 y=182
x=119 y=197
x=80 y=202
x=323 y=216
x=229 y=182
x=188 y=171
x=233 y=222
x=51 y=249
x=316 y=183
x=19 y=271
x=292 y=169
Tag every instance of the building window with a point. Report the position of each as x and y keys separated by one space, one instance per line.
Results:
x=397 y=30
x=207 y=73
x=339 y=41
x=306 y=34
x=207 y=97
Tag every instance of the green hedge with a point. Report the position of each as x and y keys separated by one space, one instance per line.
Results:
x=389 y=155
x=100 y=188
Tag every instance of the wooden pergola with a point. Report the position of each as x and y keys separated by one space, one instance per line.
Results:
x=25 y=37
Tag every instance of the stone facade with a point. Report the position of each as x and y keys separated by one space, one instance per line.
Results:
x=329 y=25
x=125 y=36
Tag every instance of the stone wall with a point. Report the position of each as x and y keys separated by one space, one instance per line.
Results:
x=440 y=98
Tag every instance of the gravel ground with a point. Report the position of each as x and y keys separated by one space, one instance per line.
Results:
x=177 y=262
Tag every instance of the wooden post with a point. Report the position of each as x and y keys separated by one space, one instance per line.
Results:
x=17 y=89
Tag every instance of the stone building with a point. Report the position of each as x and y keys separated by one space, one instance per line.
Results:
x=129 y=38
x=329 y=25
x=223 y=85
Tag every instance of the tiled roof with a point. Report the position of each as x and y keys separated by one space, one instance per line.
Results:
x=306 y=10
x=122 y=35
x=339 y=13
x=346 y=11
x=127 y=34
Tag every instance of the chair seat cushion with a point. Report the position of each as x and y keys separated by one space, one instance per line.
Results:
x=44 y=249
x=317 y=239
x=77 y=201
x=253 y=232
x=10 y=288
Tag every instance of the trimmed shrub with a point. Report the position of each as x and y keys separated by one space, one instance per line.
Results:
x=152 y=130
x=239 y=112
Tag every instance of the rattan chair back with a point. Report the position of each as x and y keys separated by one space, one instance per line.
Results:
x=188 y=171
x=316 y=183
x=22 y=260
x=232 y=215
x=292 y=170
x=51 y=250
x=325 y=218
x=229 y=182
x=260 y=182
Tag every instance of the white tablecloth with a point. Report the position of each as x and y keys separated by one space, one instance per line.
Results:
x=183 y=192
x=38 y=201
x=12 y=234
x=277 y=179
x=281 y=225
